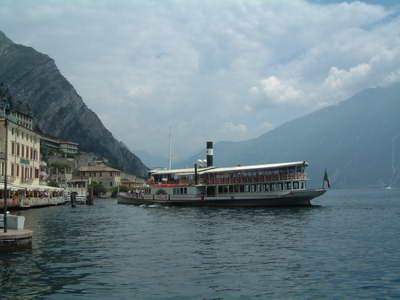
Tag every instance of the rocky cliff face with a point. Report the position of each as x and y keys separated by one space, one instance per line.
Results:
x=33 y=78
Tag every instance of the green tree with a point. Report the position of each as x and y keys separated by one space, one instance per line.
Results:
x=98 y=188
x=53 y=183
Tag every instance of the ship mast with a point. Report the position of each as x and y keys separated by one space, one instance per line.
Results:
x=170 y=148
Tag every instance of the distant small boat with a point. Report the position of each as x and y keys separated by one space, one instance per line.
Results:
x=388 y=187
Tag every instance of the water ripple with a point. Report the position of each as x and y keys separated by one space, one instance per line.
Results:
x=345 y=248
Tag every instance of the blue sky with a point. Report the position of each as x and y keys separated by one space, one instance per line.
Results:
x=219 y=70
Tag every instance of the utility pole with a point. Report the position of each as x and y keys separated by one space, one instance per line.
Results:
x=5 y=194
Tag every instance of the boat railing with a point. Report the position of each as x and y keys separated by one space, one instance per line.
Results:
x=257 y=179
x=166 y=184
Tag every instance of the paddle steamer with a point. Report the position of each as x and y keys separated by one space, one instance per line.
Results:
x=280 y=184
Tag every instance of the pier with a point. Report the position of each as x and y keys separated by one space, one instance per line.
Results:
x=15 y=240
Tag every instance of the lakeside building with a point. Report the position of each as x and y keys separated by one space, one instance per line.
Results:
x=23 y=150
x=103 y=175
x=132 y=184
x=21 y=119
x=59 y=145
x=20 y=148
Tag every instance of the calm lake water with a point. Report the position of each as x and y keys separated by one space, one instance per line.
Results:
x=347 y=247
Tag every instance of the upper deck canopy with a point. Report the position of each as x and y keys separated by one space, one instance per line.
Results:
x=210 y=170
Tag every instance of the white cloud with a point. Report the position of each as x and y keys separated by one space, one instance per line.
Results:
x=235 y=131
x=340 y=78
x=279 y=91
x=210 y=69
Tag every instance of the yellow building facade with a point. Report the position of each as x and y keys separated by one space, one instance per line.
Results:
x=23 y=153
x=103 y=175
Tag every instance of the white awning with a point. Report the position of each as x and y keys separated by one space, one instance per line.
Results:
x=42 y=188
x=208 y=170
x=257 y=167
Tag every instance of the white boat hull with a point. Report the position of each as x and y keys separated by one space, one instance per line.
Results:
x=292 y=198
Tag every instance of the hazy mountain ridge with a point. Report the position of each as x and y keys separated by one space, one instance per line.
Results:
x=34 y=78
x=353 y=140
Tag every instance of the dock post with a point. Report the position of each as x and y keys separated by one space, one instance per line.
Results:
x=91 y=196
x=73 y=197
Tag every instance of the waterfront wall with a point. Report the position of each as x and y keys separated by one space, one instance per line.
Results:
x=13 y=204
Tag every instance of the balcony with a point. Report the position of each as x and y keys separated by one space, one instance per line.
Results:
x=26 y=180
x=10 y=179
x=9 y=117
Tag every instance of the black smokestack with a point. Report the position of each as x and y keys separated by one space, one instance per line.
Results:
x=210 y=154
x=196 y=175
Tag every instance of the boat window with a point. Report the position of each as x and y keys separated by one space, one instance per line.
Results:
x=272 y=187
x=303 y=185
x=266 y=187
x=258 y=188
x=236 y=188
x=246 y=188
x=185 y=190
x=288 y=185
x=231 y=189
x=241 y=188
x=226 y=189
x=220 y=190
x=296 y=185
